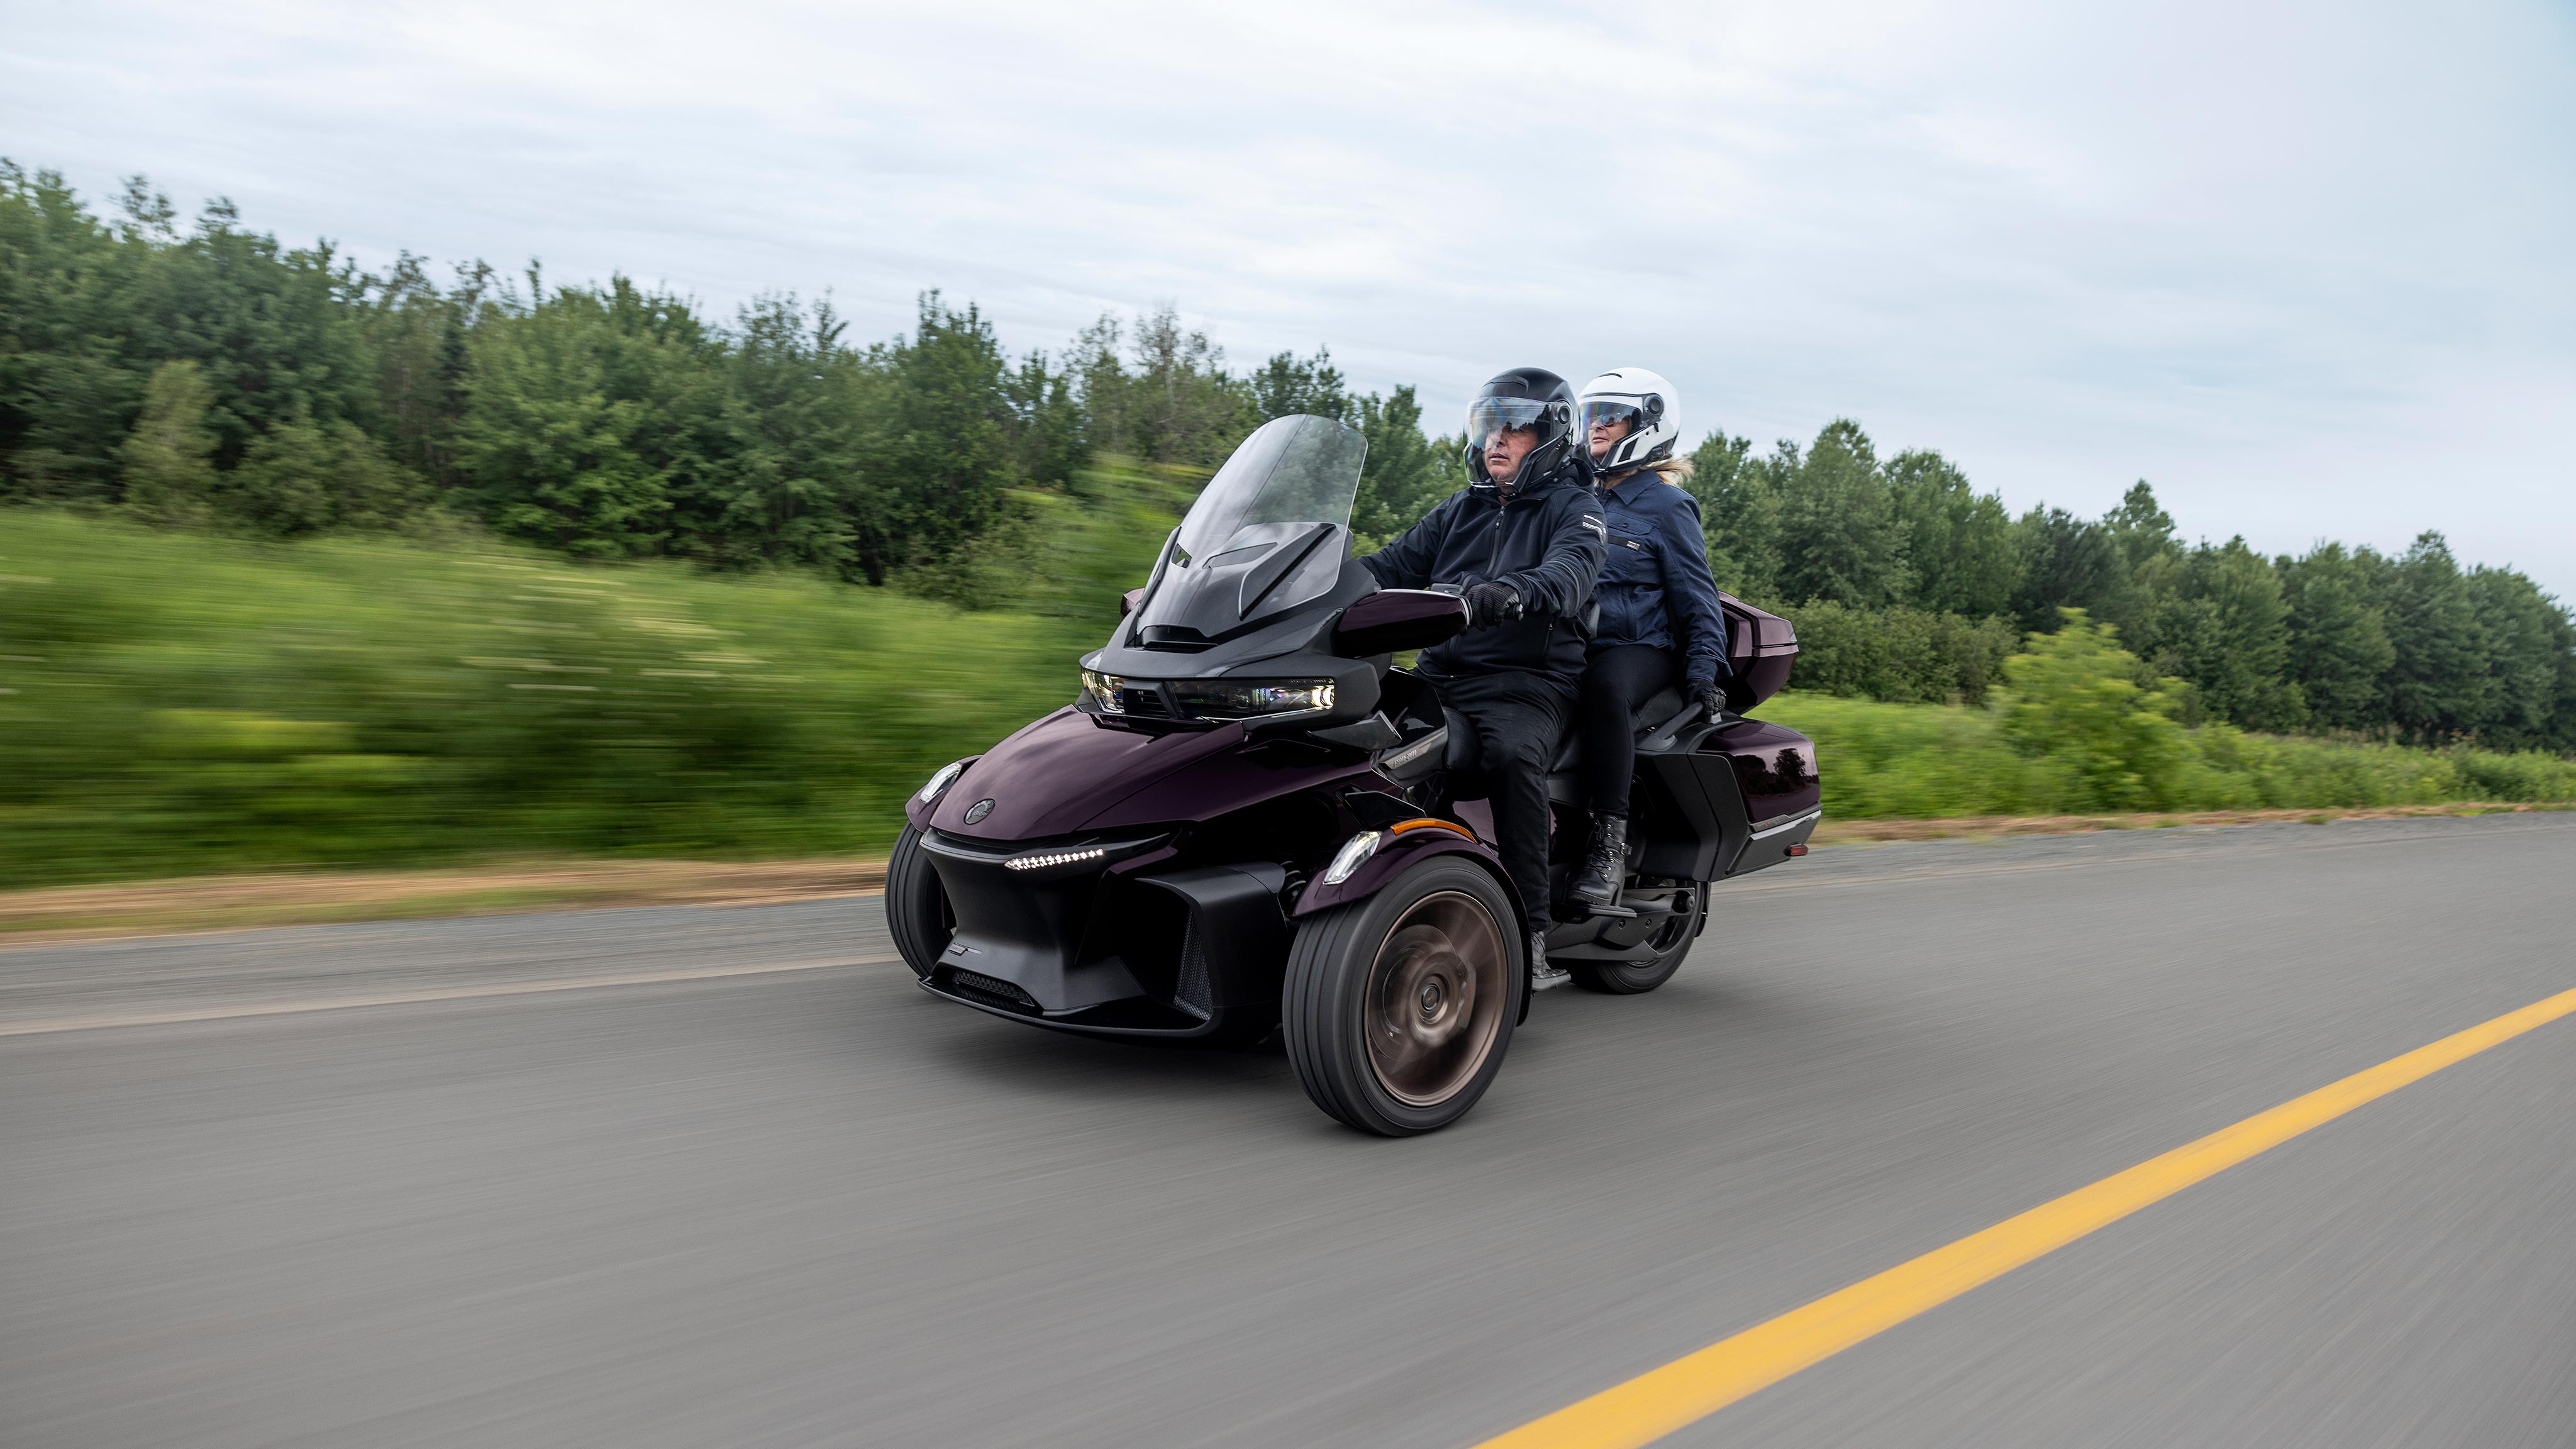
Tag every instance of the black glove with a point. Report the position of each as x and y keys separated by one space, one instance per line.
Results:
x=1490 y=603
x=1712 y=697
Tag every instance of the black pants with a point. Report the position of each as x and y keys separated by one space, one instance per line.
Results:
x=1618 y=679
x=1519 y=719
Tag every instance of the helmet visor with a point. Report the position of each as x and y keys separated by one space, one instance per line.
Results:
x=1606 y=420
x=1487 y=416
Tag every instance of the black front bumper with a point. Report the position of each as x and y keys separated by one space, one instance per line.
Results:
x=1105 y=937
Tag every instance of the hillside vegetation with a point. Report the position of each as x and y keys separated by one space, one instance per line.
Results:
x=203 y=377
x=180 y=703
x=177 y=703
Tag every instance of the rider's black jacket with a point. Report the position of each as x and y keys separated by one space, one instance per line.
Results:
x=1657 y=584
x=1546 y=542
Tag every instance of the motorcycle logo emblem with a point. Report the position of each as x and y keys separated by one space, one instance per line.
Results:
x=976 y=812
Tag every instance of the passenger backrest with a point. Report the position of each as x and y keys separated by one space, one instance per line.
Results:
x=1761 y=646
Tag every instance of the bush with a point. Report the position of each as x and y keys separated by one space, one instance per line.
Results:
x=1901 y=655
x=2076 y=700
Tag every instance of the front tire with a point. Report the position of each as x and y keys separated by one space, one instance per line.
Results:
x=1397 y=1009
x=1672 y=943
x=916 y=906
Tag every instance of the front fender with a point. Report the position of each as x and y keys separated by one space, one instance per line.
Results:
x=1397 y=856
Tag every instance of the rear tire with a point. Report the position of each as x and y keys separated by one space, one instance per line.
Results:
x=916 y=907
x=1672 y=944
x=1397 y=1009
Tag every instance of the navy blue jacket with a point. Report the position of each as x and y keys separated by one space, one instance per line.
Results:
x=1656 y=588
x=1546 y=542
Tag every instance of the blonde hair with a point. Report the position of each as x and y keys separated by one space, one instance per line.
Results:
x=1675 y=469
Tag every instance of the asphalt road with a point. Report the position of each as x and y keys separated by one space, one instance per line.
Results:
x=809 y=1205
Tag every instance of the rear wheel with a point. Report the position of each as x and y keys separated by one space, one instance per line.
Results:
x=1671 y=942
x=1397 y=1009
x=916 y=907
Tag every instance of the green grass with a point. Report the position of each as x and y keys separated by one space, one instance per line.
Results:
x=179 y=704
x=1913 y=761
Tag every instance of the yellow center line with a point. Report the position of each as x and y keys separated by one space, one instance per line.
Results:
x=47 y=1026
x=1689 y=1389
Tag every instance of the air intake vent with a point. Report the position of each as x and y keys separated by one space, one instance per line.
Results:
x=976 y=983
x=1191 y=993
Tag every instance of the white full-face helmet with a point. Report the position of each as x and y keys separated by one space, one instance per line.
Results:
x=1639 y=415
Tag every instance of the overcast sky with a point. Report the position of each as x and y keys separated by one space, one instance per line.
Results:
x=2307 y=268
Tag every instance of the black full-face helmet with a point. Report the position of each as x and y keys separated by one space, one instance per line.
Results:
x=1525 y=397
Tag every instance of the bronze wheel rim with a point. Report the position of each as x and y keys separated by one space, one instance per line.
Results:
x=1435 y=997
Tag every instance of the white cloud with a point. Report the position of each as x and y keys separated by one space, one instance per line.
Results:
x=2301 y=265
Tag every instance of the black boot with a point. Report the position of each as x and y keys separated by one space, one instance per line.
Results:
x=1605 y=862
x=1544 y=973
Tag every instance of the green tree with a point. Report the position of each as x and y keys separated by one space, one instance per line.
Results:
x=2141 y=528
x=71 y=385
x=943 y=459
x=1405 y=473
x=168 y=478
x=1046 y=425
x=1739 y=508
x=587 y=413
x=2439 y=687
x=2529 y=661
x=1288 y=384
x=418 y=334
x=1179 y=405
x=1959 y=542
x=2339 y=648
x=2068 y=563
x=1840 y=535
x=2223 y=627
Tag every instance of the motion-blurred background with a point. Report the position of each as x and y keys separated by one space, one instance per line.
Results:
x=438 y=433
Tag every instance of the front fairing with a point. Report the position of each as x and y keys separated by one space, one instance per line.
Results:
x=1248 y=586
x=1054 y=775
x=1296 y=644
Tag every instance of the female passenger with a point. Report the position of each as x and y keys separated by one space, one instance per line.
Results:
x=1660 y=623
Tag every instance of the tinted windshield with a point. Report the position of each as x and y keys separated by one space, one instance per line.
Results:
x=1270 y=531
x=1291 y=470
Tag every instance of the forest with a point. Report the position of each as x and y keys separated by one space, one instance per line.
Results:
x=199 y=376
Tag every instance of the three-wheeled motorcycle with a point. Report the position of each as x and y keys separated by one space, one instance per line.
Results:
x=1250 y=819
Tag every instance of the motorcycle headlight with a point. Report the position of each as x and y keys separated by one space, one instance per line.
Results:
x=1103 y=689
x=946 y=776
x=1246 y=699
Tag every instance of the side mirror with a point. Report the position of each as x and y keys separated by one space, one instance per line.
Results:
x=1391 y=620
x=1128 y=601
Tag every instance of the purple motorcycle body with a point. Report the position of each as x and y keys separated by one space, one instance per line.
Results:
x=1128 y=866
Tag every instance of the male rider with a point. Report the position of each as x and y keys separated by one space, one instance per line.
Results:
x=1524 y=542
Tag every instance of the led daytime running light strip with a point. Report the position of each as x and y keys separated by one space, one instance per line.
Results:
x=1058 y=857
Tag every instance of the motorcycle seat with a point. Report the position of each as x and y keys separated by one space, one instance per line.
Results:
x=1466 y=752
x=1658 y=710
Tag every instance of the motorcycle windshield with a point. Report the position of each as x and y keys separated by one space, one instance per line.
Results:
x=1270 y=532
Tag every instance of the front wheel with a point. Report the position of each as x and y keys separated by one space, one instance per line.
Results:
x=916 y=906
x=1397 y=1008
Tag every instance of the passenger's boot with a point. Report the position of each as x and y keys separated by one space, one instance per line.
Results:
x=1543 y=975
x=1605 y=862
